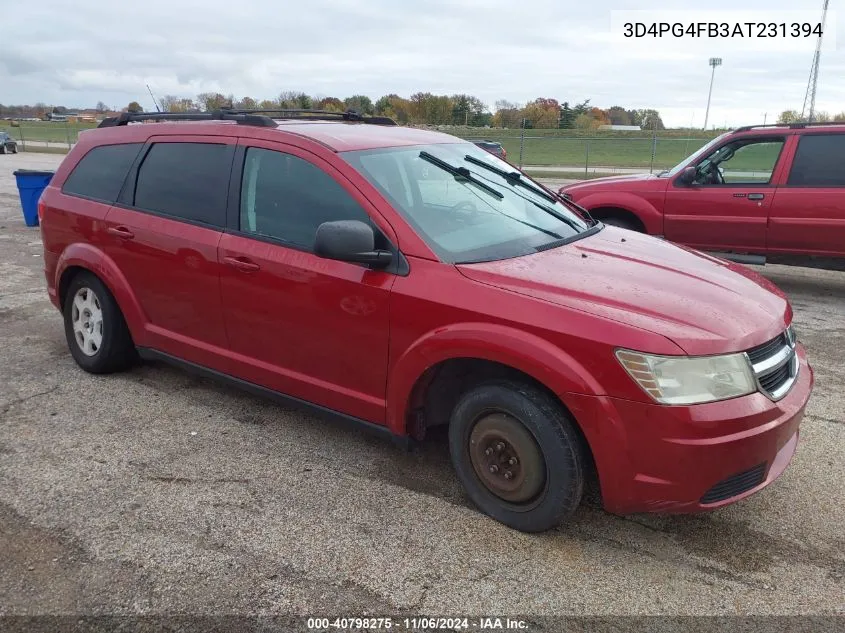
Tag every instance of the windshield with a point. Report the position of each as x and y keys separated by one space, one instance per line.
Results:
x=466 y=212
x=689 y=159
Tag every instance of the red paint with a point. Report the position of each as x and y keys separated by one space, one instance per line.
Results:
x=357 y=340
x=788 y=220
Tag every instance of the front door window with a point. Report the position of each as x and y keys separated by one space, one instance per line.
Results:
x=742 y=162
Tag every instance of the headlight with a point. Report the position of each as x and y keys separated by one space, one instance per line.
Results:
x=689 y=379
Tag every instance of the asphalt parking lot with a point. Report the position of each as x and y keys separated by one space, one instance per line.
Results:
x=155 y=492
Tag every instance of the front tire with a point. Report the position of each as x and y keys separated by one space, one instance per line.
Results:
x=622 y=223
x=517 y=454
x=95 y=329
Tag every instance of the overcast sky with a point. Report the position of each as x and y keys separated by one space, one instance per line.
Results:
x=86 y=52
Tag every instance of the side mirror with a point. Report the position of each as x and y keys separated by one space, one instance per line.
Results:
x=350 y=241
x=688 y=176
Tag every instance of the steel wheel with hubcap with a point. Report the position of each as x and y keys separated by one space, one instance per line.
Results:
x=96 y=331
x=87 y=317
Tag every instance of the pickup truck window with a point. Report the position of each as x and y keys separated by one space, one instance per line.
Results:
x=819 y=161
x=744 y=161
x=690 y=160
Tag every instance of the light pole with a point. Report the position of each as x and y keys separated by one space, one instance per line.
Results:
x=714 y=61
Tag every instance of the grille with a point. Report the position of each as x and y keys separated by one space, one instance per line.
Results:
x=770 y=382
x=775 y=365
x=761 y=352
x=735 y=485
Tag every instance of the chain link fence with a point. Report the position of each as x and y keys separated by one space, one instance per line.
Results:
x=536 y=151
x=587 y=156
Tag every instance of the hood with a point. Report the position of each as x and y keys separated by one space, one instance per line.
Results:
x=596 y=183
x=703 y=304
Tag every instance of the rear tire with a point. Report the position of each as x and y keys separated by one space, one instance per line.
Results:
x=95 y=329
x=517 y=454
x=15 y=149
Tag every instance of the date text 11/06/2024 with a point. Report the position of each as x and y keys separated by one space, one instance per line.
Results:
x=433 y=623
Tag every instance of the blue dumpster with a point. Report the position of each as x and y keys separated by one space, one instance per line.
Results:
x=31 y=182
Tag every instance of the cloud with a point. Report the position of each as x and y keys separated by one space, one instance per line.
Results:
x=495 y=49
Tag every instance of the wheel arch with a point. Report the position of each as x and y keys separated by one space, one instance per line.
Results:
x=455 y=357
x=77 y=258
x=631 y=205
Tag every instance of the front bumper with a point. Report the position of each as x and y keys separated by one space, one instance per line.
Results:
x=655 y=458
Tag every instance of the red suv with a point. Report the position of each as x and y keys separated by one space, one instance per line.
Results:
x=403 y=279
x=761 y=193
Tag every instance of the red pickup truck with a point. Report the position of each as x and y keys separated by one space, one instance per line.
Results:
x=760 y=193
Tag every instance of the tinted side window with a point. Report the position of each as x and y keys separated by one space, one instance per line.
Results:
x=287 y=198
x=819 y=161
x=185 y=180
x=101 y=172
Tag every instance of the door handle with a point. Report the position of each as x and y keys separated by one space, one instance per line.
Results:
x=242 y=264
x=121 y=232
x=756 y=196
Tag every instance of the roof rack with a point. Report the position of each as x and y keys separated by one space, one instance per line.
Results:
x=318 y=115
x=218 y=115
x=792 y=126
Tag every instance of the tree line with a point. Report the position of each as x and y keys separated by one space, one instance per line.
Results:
x=793 y=116
x=421 y=108
x=425 y=108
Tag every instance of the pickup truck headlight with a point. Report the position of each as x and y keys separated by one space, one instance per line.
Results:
x=689 y=379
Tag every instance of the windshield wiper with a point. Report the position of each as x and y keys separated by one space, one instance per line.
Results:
x=460 y=173
x=552 y=212
x=513 y=177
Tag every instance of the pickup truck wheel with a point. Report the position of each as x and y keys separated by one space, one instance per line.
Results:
x=622 y=223
x=95 y=329
x=517 y=455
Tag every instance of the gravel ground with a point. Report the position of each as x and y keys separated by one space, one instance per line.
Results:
x=154 y=492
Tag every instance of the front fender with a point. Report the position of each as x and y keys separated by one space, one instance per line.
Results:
x=651 y=218
x=530 y=354
x=92 y=258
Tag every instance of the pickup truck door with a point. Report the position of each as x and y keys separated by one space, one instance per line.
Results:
x=808 y=213
x=727 y=207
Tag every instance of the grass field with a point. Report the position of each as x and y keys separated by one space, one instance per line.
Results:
x=54 y=132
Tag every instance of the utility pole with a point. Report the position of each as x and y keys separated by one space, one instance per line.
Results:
x=714 y=61
x=765 y=116
x=810 y=95
x=522 y=141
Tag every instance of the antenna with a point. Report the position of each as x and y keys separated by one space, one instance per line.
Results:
x=810 y=95
x=153 y=98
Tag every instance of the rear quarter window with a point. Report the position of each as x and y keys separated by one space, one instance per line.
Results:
x=819 y=161
x=99 y=175
x=188 y=181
